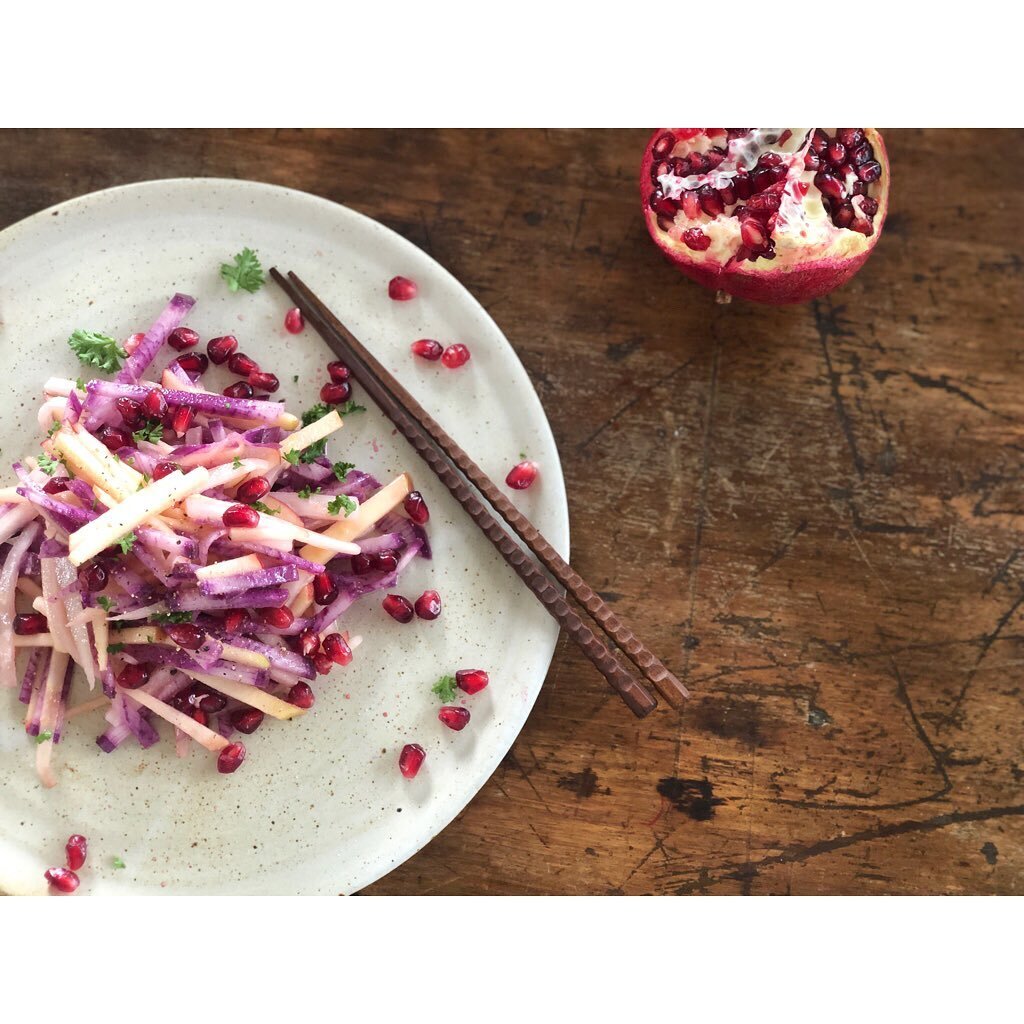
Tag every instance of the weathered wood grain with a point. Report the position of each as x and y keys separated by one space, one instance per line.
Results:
x=825 y=540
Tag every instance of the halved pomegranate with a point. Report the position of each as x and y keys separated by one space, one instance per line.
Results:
x=771 y=214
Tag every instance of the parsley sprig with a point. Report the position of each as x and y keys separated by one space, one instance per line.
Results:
x=170 y=617
x=153 y=431
x=244 y=273
x=265 y=509
x=341 y=469
x=445 y=688
x=97 y=350
x=342 y=501
x=48 y=465
x=126 y=542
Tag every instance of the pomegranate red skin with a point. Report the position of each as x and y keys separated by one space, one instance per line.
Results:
x=775 y=286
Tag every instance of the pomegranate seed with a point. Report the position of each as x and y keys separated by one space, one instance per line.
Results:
x=337 y=649
x=743 y=185
x=858 y=188
x=361 y=564
x=241 y=516
x=836 y=153
x=221 y=349
x=233 y=620
x=62 y=879
x=230 y=758
x=819 y=141
x=871 y=171
x=471 y=680
x=198 y=715
x=76 y=849
x=324 y=589
x=753 y=233
x=691 y=205
x=240 y=389
x=401 y=289
x=868 y=206
x=428 y=605
x=92 y=577
x=309 y=642
x=338 y=371
x=247 y=720
x=182 y=338
x=162 y=469
x=398 y=608
x=663 y=145
x=115 y=438
x=865 y=227
x=293 y=322
x=212 y=703
x=336 y=393
x=714 y=157
x=710 y=201
x=194 y=363
x=842 y=217
x=727 y=195
x=185 y=634
x=811 y=160
x=427 y=348
x=416 y=508
x=322 y=662
x=828 y=185
x=861 y=154
x=29 y=623
x=56 y=485
x=130 y=410
x=850 y=137
x=659 y=170
x=662 y=205
x=131 y=677
x=239 y=363
x=264 y=381
x=385 y=561
x=455 y=356
x=279 y=618
x=522 y=475
x=253 y=489
x=154 y=404
x=301 y=696
x=454 y=718
x=410 y=760
x=696 y=239
x=181 y=418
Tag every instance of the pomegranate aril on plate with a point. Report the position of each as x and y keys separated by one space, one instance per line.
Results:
x=181 y=417
x=361 y=564
x=185 y=634
x=197 y=714
x=455 y=356
x=398 y=608
x=338 y=371
x=240 y=389
x=230 y=758
x=522 y=475
x=263 y=381
x=301 y=696
x=325 y=590
x=336 y=648
x=239 y=363
x=162 y=469
x=336 y=392
x=62 y=880
x=427 y=348
x=471 y=680
x=308 y=642
x=385 y=561
x=194 y=363
x=322 y=662
x=293 y=321
x=131 y=677
x=240 y=516
x=416 y=508
x=30 y=623
x=221 y=349
x=92 y=577
x=115 y=438
x=428 y=605
x=279 y=618
x=253 y=489
x=129 y=410
x=401 y=289
x=234 y=620
x=454 y=717
x=247 y=720
x=56 y=485
x=212 y=703
x=76 y=849
x=411 y=759
x=182 y=338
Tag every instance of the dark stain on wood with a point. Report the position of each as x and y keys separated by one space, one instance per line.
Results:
x=694 y=797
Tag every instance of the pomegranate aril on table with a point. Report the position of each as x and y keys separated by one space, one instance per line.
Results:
x=182 y=338
x=62 y=880
x=385 y=561
x=180 y=418
x=338 y=372
x=471 y=680
x=336 y=648
x=76 y=848
x=234 y=620
x=195 y=363
x=325 y=590
x=416 y=508
x=221 y=349
x=247 y=720
x=185 y=634
x=293 y=321
x=427 y=348
x=522 y=475
x=115 y=438
x=154 y=404
x=131 y=677
x=322 y=662
x=92 y=577
x=279 y=618
x=230 y=758
x=239 y=363
x=336 y=392
x=411 y=759
x=454 y=717
x=455 y=356
x=398 y=608
x=301 y=696
x=240 y=389
x=401 y=289
x=263 y=381
x=308 y=641
x=130 y=411
x=428 y=605
x=764 y=213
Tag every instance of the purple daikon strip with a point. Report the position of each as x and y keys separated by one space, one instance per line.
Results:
x=15 y=519
x=74 y=407
x=172 y=316
x=295 y=628
x=209 y=538
x=279 y=657
x=141 y=461
x=53 y=548
x=192 y=601
x=299 y=476
x=408 y=530
x=107 y=675
x=8 y=593
x=160 y=654
x=67 y=517
x=62 y=702
x=35 y=705
x=230 y=547
x=130 y=580
x=288 y=679
x=30 y=565
x=149 y=560
x=174 y=544
x=265 y=436
x=30 y=679
x=84 y=493
x=248 y=580
x=222 y=726
x=383 y=542
x=180 y=375
x=202 y=401
x=357 y=484
x=194 y=435
x=217 y=430
x=209 y=653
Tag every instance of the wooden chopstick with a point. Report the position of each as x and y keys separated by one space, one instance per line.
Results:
x=437 y=448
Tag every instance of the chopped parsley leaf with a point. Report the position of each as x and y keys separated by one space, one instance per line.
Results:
x=54 y=427
x=245 y=273
x=341 y=469
x=79 y=383
x=292 y=457
x=118 y=863
x=126 y=542
x=445 y=688
x=153 y=431
x=44 y=736
x=236 y=463
x=342 y=501
x=115 y=648
x=162 y=617
x=308 y=491
x=48 y=465
x=97 y=350
x=265 y=509
x=105 y=603
x=349 y=407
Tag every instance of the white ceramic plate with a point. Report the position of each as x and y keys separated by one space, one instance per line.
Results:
x=319 y=806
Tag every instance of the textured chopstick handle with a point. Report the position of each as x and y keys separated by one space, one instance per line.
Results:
x=667 y=684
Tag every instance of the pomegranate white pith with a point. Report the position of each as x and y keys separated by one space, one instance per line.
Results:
x=772 y=214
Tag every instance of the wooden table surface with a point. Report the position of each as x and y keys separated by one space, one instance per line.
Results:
x=812 y=512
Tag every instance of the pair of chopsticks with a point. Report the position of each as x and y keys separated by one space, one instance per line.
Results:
x=457 y=471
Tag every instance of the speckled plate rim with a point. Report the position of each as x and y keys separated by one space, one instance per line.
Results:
x=532 y=407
